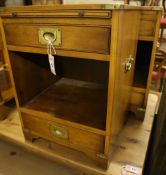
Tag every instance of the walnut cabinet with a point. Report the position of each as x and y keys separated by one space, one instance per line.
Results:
x=104 y=58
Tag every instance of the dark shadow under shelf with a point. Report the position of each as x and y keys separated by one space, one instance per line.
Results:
x=77 y=101
x=140 y=80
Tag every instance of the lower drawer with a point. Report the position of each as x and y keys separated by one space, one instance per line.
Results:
x=62 y=134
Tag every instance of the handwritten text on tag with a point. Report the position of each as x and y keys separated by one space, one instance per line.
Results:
x=51 y=61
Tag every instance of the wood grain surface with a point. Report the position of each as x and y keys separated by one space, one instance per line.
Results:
x=131 y=147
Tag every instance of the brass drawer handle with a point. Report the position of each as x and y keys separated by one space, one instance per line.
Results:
x=58 y=131
x=49 y=36
x=128 y=64
x=52 y=35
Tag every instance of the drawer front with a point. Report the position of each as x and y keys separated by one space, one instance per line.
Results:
x=75 y=38
x=147 y=28
x=65 y=135
x=148 y=23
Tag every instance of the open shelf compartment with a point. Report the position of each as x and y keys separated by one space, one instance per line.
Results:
x=78 y=93
x=77 y=101
x=143 y=57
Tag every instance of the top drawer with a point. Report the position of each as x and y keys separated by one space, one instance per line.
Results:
x=75 y=38
x=148 y=23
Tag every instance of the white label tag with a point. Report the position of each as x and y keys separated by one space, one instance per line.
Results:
x=131 y=169
x=51 y=61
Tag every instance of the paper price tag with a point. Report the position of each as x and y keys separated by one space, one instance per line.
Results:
x=51 y=61
x=131 y=169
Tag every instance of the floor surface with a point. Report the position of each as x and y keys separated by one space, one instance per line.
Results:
x=17 y=161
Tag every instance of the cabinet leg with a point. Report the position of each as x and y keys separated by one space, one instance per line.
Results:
x=30 y=137
x=138 y=112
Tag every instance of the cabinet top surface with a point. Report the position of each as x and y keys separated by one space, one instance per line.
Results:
x=78 y=7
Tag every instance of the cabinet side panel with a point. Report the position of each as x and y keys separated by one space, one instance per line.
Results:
x=30 y=78
x=156 y=33
x=145 y=60
x=125 y=25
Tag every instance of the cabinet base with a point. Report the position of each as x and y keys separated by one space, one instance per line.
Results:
x=99 y=159
x=138 y=112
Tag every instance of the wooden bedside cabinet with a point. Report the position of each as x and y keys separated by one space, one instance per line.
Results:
x=83 y=106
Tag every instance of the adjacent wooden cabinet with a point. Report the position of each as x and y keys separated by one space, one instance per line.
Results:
x=104 y=58
x=6 y=91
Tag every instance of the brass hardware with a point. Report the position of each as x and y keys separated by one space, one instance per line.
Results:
x=48 y=36
x=58 y=131
x=128 y=64
x=14 y=14
x=157 y=8
x=141 y=109
x=52 y=35
x=126 y=6
x=112 y=6
x=26 y=130
x=101 y=155
x=81 y=13
x=118 y=6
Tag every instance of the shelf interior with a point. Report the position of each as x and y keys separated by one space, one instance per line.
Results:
x=77 y=101
x=78 y=92
x=143 y=57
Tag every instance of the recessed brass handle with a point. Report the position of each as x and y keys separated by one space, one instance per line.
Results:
x=49 y=36
x=58 y=131
x=52 y=35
